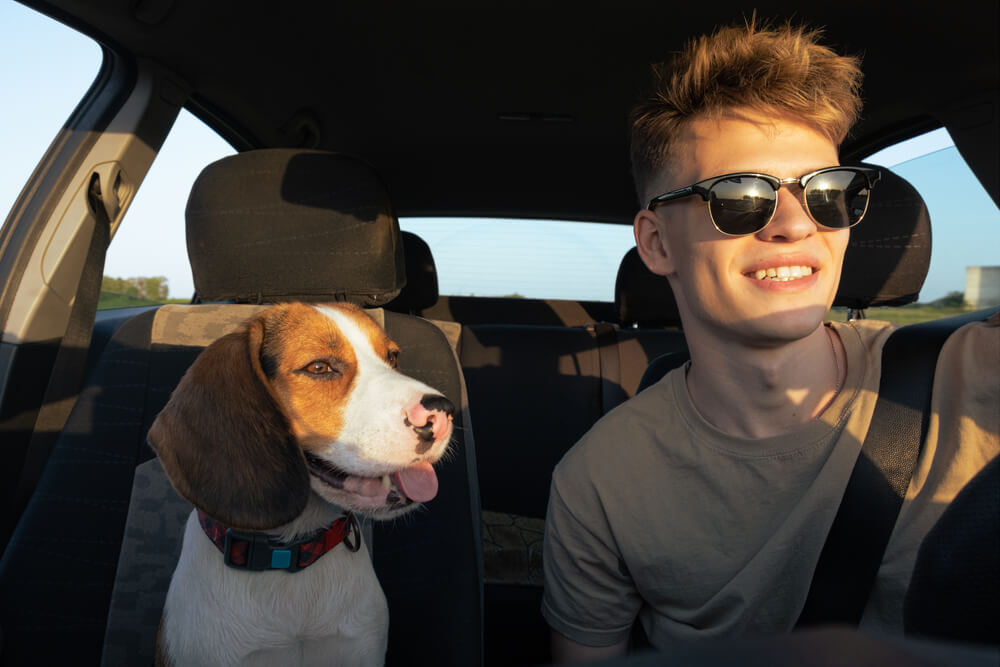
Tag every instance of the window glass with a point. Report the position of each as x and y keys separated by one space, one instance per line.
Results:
x=147 y=260
x=45 y=69
x=549 y=259
x=964 y=271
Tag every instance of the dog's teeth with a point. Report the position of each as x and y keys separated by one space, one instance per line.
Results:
x=386 y=482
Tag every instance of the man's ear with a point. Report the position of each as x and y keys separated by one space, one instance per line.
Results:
x=652 y=243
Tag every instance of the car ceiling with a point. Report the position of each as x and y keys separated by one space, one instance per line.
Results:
x=509 y=108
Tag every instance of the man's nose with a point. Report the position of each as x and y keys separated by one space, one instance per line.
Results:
x=791 y=222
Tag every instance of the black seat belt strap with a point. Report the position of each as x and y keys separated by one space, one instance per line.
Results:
x=70 y=362
x=606 y=337
x=849 y=562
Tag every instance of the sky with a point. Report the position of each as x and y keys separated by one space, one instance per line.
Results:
x=46 y=68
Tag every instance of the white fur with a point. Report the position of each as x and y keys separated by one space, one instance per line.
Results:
x=375 y=440
x=331 y=613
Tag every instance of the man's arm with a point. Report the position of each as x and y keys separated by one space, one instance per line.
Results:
x=589 y=594
x=565 y=650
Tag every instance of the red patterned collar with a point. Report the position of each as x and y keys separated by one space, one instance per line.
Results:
x=246 y=550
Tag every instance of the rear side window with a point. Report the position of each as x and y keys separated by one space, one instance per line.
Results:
x=45 y=69
x=965 y=266
x=147 y=260
x=542 y=259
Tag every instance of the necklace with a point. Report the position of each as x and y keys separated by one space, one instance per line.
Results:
x=836 y=365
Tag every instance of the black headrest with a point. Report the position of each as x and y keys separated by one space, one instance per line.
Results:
x=421 y=290
x=287 y=224
x=643 y=298
x=890 y=250
x=885 y=264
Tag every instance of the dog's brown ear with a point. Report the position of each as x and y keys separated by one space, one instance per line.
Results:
x=224 y=442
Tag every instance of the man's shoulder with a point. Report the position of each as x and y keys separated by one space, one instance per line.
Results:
x=866 y=336
x=867 y=329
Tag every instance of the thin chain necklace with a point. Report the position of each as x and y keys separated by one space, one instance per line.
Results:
x=838 y=381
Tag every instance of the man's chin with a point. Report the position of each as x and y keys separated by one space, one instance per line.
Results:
x=785 y=326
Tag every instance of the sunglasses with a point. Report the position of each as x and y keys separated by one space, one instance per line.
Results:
x=744 y=203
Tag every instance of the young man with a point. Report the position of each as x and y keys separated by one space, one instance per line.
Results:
x=700 y=507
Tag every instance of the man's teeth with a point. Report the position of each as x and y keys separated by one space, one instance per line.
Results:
x=783 y=273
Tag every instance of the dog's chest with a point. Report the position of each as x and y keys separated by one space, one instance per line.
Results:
x=230 y=614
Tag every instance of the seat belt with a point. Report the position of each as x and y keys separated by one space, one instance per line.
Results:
x=606 y=337
x=68 y=368
x=852 y=554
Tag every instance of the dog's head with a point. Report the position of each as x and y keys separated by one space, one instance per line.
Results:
x=301 y=398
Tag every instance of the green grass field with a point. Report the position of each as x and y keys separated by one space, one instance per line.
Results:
x=110 y=301
x=903 y=315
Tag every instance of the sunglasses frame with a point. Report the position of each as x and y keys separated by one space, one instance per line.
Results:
x=704 y=188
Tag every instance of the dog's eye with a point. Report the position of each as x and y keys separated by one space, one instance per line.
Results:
x=318 y=368
x=393 y=357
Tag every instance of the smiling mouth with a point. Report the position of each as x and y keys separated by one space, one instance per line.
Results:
x=335 y=477
x=781 y=273
x=402 y=487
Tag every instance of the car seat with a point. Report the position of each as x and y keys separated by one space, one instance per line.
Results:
x=421 y=288
x=87 y=569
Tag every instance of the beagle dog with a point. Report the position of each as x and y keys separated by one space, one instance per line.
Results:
x=278 y=434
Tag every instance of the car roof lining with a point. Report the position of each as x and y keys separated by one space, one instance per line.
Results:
x=513 y=110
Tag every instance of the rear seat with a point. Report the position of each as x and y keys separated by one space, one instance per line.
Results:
x=536 y=389
x=539 y=374
x=538 y=386
x=648 y=319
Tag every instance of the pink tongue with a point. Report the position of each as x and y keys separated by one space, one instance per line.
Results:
x=417 y=482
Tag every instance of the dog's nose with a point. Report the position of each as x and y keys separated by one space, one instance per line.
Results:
x=430 y=419
x=436 y=402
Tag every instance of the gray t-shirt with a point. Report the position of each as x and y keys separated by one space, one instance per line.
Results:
x=657 y=514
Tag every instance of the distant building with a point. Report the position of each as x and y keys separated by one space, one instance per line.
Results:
x=982 y=286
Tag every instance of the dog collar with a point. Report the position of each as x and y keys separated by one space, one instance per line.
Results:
x=245 y=550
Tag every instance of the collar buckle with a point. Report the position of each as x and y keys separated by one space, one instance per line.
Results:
x=256 y=551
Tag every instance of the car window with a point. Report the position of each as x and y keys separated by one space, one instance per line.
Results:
x=550 y=259
x=964 y=272
x=45 y=69
x=147 y=260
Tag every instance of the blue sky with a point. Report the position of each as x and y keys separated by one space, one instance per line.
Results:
x=46 y=68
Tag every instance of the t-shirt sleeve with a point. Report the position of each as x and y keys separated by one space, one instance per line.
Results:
x=589 y=595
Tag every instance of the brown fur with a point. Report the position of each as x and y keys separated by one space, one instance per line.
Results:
x=312 y=401
x=228 y=412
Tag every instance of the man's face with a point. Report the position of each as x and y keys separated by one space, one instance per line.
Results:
x=714 y=276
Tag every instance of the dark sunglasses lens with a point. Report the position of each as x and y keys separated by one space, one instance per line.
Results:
x=838 y=198
x=742 y=204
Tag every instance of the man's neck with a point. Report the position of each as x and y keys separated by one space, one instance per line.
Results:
x=758 y=392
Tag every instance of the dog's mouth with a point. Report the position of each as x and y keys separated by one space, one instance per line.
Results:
x=416 y=483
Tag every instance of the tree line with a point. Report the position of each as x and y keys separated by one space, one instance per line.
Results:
x=154 y=288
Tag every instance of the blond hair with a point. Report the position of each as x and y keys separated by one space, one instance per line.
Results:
x=773 y=71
